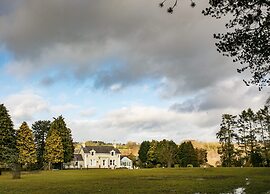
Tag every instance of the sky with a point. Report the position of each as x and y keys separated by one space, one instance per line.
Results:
x=119 y=70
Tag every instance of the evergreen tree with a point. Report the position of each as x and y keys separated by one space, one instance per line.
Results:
x=201 y=155
x=225 y=136
x=144 y=148
x=26 y=146
x=66 y=137
x=54 y=150
x=152 y=156
x=186 y=155
x=247 y=135
x=40 y=130
x=8 y=151
x=263 y=119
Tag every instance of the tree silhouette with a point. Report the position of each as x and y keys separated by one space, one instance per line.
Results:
x=247 y=40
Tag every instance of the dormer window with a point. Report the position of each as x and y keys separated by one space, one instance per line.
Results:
x=112 y=153
x=92 y=153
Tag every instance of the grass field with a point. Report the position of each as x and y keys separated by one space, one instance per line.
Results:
x=180 y=180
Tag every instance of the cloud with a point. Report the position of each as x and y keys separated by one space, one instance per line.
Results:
x=122 y=44
x=24 y=105
x=140 y=123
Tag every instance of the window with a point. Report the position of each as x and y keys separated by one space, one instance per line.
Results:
x=110 y=162
x=112 y=153
x=92 y=153
x=103 y=162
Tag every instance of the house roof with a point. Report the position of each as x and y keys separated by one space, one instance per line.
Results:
x=100 y=149
x=77 y=157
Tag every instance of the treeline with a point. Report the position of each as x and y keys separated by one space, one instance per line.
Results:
x=245 y=138
x=166 y=153
x=47 y=144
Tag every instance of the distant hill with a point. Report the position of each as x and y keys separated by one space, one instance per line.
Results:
x=211 y=147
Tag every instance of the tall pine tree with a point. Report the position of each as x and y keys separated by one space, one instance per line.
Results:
x=8 y=151
x=40 y=130
x=26 y=146
x=7 y=136
x=226 y=136
x=65 y=133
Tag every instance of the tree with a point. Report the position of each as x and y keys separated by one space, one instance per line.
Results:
x=201 y=155
x=226 y=135
x=152 y=156
x=8 y=151
x=263 y=118
x=144 y=148
x=54 y=150
x=248 y=40
x=66 y=137
x=186 y=155
x=40 y=130
x=167 y=152
x=175 y=2
x=247 y=134
x=26 y=146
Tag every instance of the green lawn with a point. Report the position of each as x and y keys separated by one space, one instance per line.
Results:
x=180 y=180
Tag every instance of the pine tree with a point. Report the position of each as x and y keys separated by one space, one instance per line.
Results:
x=8 y=151
x=54 y=151
x=226 y=136
x=66 y=137
x=40 y=130
x=187 y=155
x=26 y=146
x=144 y=148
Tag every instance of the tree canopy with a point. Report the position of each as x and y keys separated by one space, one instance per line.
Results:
x=40 y=130
x=7 y=137
x=248 y=40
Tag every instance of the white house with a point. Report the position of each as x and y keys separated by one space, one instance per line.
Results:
x=126 y=163
x=99 y=157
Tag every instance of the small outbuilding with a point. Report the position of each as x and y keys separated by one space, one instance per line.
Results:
x=125 y=162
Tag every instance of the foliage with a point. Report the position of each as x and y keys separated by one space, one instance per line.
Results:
x=171 y=8
x=201 y=155
x=167 y=152
x=225 y=136
x=65 y=133
x=26 y=146
x=7 y=138
x=54 y=150
x=187 y=155
x=40 y=130
x=144 y=148
x=152 y=154
x=247 y=41
x=247 y=137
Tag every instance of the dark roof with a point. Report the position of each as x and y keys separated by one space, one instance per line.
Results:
x=77 y=157
x=100 y=149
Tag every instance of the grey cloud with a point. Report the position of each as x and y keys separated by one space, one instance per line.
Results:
x=83 y=37
x=225 y=95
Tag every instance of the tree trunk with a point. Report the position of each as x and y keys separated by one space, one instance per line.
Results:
x=169 y=164
x=16 y=171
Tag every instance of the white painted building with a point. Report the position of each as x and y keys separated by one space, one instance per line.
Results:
x=126 y=163
x=100 y=157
